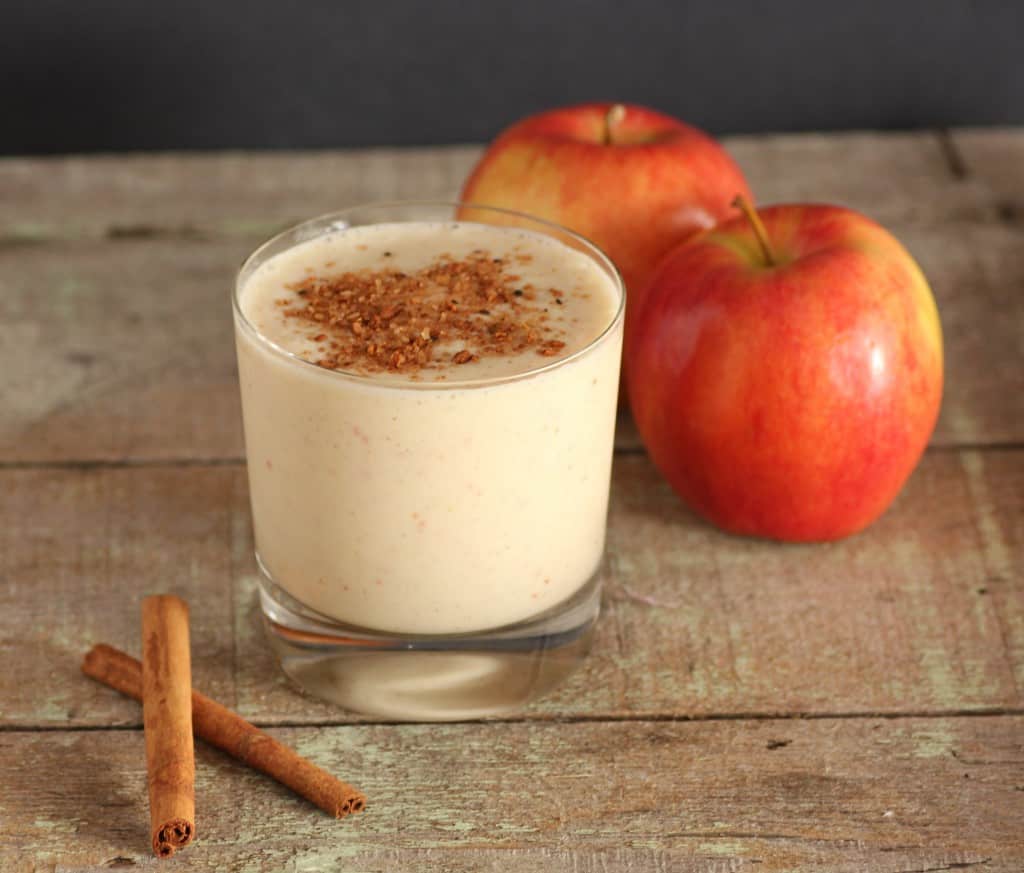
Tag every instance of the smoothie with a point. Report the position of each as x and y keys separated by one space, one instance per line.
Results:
x=429 y=411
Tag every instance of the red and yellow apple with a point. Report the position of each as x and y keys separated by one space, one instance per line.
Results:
x=632 y=180
x=785 y=372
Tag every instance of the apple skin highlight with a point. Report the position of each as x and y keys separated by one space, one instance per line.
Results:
x=789 y=401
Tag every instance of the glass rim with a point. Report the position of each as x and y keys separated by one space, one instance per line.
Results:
x=326 y=219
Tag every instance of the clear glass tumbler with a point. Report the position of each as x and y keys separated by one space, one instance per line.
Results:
x=428 y=550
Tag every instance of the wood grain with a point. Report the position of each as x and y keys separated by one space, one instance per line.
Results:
x=995 y=158
x=899 y=179
x=139 y=354
x=924 y=612
x=79 y=550
x=200 y=196
x=136 y=324
x=895 y=177
x=829 y=795
x=140 y=361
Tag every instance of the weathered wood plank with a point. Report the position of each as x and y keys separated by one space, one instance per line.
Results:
x=924 y=612
x=139 y=359
x=114 y=351
x=835 y=795
x=193 y=196
x=995 y=158
x=79 y=550
x=896 y=177
x=899 y=179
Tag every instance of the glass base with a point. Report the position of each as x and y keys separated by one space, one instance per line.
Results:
x=429 y=678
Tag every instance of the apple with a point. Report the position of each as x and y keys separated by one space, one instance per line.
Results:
x=785 y=372
x=631 y=180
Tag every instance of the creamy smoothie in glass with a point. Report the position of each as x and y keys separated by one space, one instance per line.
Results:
x=429 y=411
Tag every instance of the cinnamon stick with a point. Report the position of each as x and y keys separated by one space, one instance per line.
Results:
x=167 y=718
x=230 y=733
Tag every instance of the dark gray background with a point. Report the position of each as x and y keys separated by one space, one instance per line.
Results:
x=88 y=76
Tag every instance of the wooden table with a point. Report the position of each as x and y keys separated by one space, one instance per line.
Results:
x=748 y=706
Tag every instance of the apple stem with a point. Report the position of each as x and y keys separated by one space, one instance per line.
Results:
x=612 y=118
x=740 y=203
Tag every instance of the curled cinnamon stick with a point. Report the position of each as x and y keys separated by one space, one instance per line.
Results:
x=230 y=733
x=167 y=719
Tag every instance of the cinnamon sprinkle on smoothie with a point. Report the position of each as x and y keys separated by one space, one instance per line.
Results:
x=429 y=301
x=450 y=310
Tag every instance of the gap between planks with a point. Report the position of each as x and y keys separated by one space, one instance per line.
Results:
x=866 y=715
x=951 y=152
x=164 y=463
